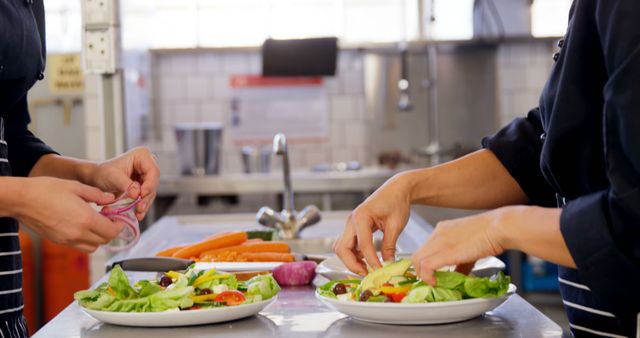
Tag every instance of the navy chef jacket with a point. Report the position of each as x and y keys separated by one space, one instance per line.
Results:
x=22 y=60
x=580 y=150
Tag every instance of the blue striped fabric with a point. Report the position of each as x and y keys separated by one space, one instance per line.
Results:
x=12 y=323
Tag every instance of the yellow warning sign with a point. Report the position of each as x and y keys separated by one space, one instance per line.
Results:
x=65 y=73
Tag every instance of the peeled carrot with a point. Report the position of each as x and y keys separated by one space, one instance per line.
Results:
x=268 y=246
x=170 y=251
x=266 y=257
x=212 y=243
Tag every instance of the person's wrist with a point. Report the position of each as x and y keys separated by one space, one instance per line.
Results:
x=86 y=172
x=14 y=199
x=504 y=227
x=413 y=183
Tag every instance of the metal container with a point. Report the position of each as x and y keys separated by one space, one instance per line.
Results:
x=199 y=148
x=256 y=160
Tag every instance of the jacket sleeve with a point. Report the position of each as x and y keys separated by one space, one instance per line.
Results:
x=25 y=149
x=602 y=229
x=518 y=147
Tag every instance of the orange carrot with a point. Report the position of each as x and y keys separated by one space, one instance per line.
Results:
x=266 y=257
x=212 y=243
x=267 y=246
x=170 y=251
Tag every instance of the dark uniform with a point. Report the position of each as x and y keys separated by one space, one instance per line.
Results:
x=580 y=150
x=22 y=59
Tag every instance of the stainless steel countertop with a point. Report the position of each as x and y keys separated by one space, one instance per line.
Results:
x=296 y=313
x=366 y=179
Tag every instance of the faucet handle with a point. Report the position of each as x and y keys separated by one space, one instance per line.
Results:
x=310 y=215
x=269 y=218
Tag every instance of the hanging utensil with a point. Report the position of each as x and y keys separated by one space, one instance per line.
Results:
x=404 y=101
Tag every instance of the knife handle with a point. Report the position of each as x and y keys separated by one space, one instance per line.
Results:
x=158 y=264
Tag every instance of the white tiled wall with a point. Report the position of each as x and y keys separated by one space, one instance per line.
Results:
x=523 y=69
x=194 y=87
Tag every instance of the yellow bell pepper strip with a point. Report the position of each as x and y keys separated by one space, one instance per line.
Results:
x=395 y=289
x=173 y=274
x=204 y=275
x=204 y=279
x=204 y=298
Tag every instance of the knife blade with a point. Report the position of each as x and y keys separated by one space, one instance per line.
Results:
x=162 y=264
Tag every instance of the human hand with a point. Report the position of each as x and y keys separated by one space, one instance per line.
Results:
x=387 y=210
x=58 y=210
x=459 y=242
x=134 y=172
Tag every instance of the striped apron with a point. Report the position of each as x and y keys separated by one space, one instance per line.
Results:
x=12 y=323
x=586 y=318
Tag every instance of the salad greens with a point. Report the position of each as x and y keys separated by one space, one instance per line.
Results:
x=176 y=291
x=396 y=282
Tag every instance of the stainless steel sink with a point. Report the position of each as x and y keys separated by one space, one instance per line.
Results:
x=319 y=245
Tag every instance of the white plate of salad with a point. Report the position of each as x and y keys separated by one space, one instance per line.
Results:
x=177 y=299
x=393 y=295
x=332 y=268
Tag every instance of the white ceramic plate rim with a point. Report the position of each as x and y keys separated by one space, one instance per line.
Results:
x=512 y=289
x=186 y=313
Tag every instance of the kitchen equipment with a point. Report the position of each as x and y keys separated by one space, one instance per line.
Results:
x=161 y=264
x=417 y=313
x=287 y=222
x=404 y=100
x=256 y=160
x=337 y=166
x=300 y=57
x=199 y=148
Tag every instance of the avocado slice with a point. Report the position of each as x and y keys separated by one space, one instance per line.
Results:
x=375 y=279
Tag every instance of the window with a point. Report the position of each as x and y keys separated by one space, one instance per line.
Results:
x=549 y=17
x=453 y=20
x=214 y=23
x=63 y=26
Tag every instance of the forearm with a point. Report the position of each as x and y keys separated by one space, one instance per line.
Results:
x=535 y=231
x=476 y=181
x=63 y=167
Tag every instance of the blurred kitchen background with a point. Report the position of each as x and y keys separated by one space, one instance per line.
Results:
x=468 y=67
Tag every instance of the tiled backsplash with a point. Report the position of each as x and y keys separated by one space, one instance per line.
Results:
x=194 y=87
x=523 y=69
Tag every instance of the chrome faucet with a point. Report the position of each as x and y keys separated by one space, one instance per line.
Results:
x=287 y=222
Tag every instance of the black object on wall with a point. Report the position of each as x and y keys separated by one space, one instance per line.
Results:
x=300 y=57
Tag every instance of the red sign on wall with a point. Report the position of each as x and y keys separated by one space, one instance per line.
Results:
x=248 y=81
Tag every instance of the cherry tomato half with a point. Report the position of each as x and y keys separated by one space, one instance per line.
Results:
x=231 y=297
x=397 y=297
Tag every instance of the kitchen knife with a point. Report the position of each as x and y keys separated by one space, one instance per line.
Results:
x=161 y=264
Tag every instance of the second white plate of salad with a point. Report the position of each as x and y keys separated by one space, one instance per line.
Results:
x=393 y=295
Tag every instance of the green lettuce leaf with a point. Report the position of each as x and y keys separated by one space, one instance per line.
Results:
x=119 y=283
x=428 y=293
x=231 y=282
x=444 y=295
x=262 y=287
x=450 y=280
x=147 y=288
x=496 y=286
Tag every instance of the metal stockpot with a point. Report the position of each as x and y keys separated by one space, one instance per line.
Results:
x=256 y=160
x=199 y=146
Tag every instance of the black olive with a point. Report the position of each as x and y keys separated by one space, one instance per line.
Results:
x=205 y=291
x=339 y=289
x=165 y=281
x=364 y=295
